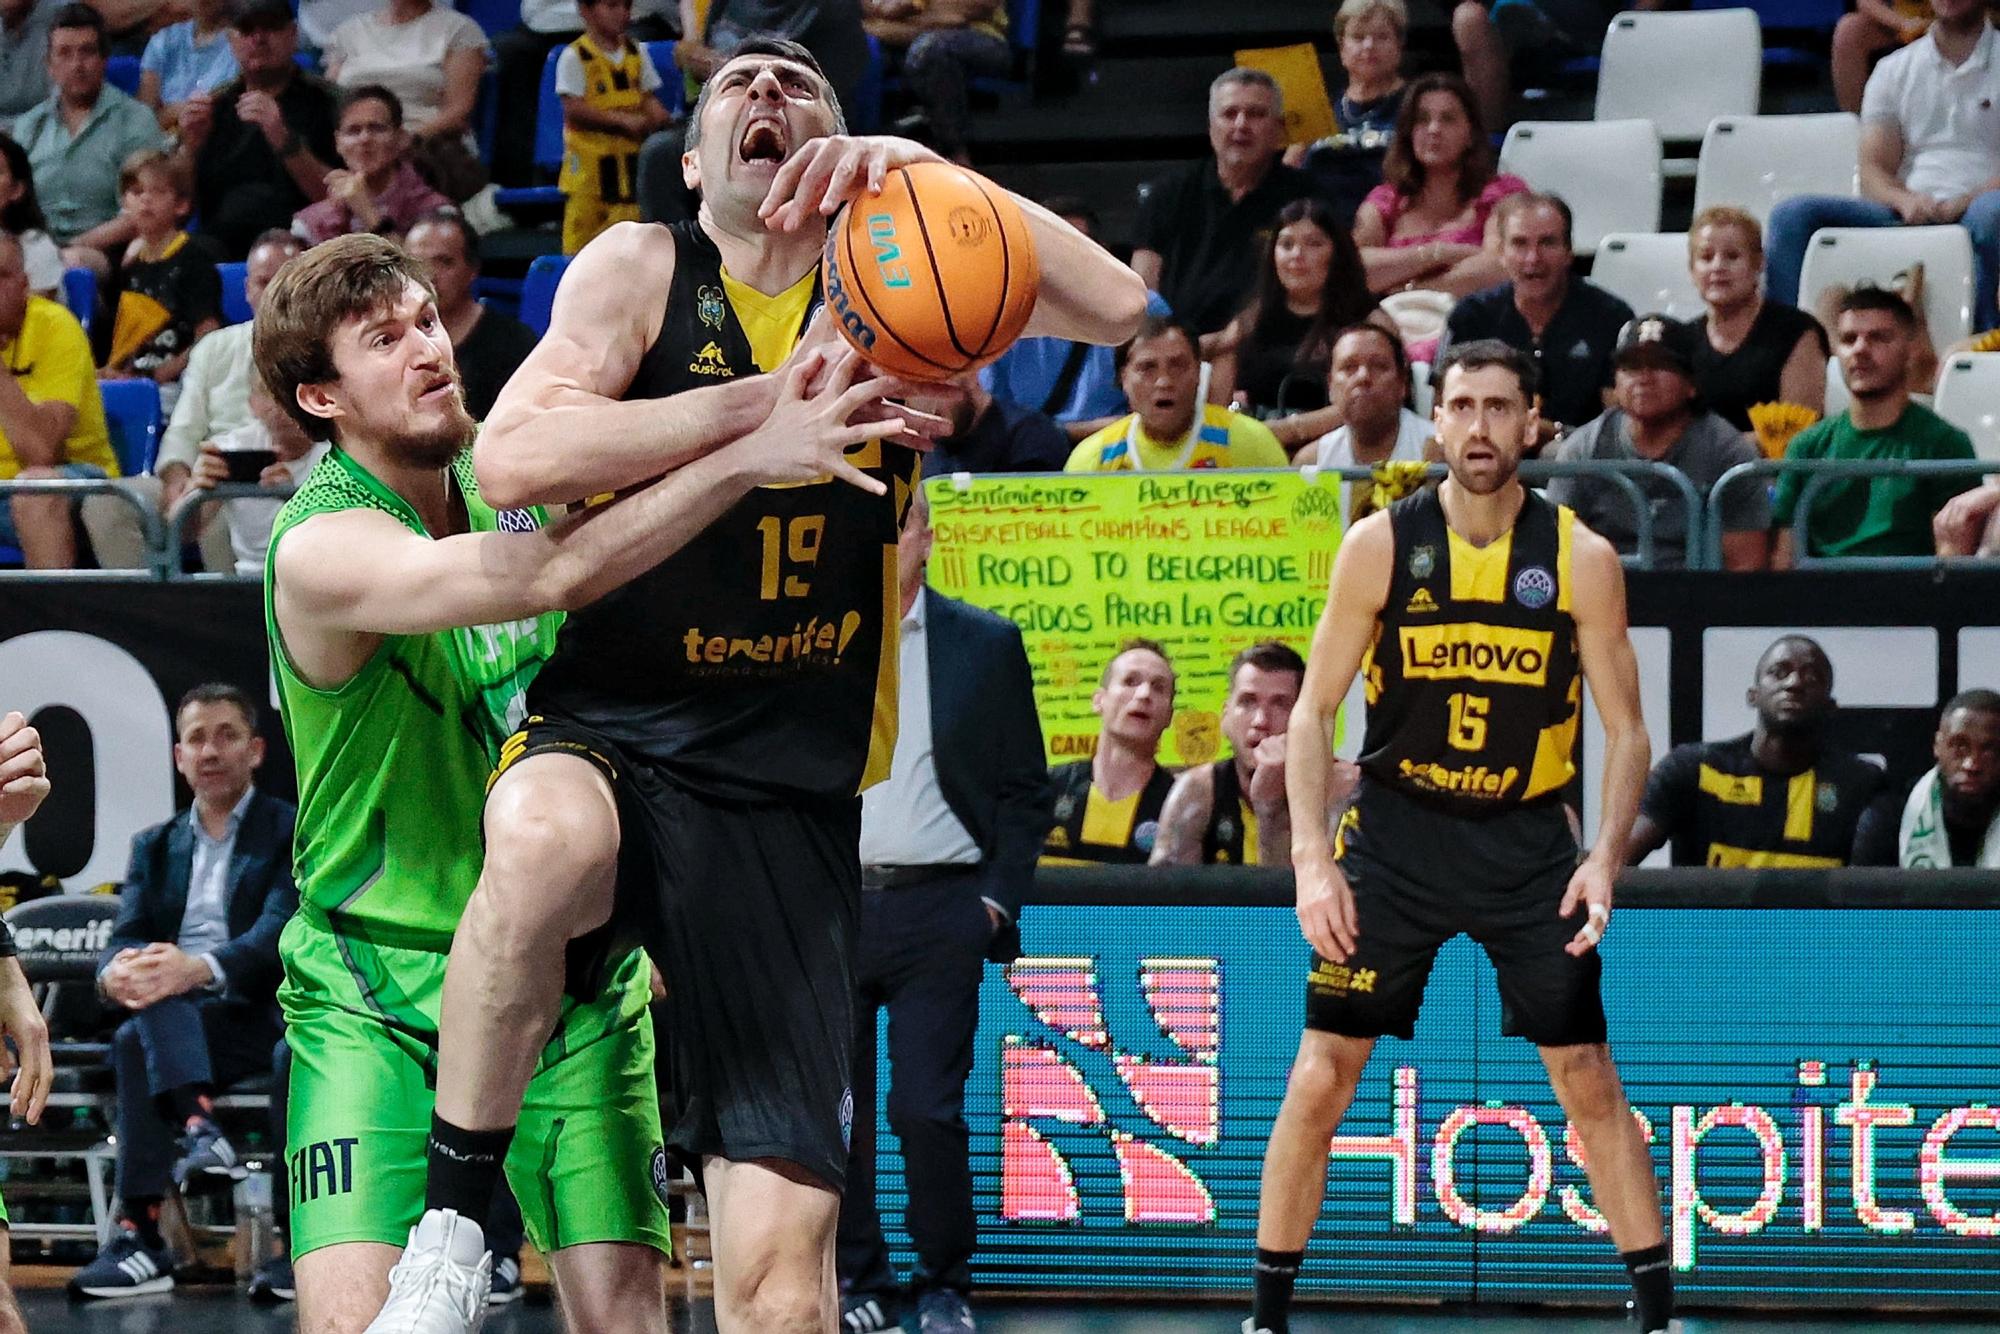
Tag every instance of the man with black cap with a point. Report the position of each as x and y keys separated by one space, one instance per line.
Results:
x=261 y=144
x=1658 y=418
x=1781 y=796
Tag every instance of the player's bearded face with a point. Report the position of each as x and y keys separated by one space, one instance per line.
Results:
x=1483 y=424
x=433 y=435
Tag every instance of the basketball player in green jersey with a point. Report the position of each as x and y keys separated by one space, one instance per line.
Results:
x=396 y=714
x=24 y=783
x=698 y=742
x=1474 y=612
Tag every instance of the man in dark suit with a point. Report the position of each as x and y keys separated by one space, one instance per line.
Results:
x=948 y=850
x=194 y=957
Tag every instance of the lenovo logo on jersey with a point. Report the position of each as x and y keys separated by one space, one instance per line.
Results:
x=1468 y=651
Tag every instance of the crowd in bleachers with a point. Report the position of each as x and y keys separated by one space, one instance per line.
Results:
x=150 y=143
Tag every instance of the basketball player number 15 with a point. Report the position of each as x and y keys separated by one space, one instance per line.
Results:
x=1468 y=721
x=796 y=542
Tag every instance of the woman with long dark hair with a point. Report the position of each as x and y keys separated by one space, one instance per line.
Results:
x=21 y=214
x=1428 y=226
x=1274 y=359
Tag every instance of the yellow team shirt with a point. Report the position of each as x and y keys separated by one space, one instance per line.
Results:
x=1225 y=439
x=51 y=362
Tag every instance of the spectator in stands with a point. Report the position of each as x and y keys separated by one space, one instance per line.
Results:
x=830 y=29
x=1873 y=516
x=1952 y=817
x=77 y=139
x=129 y=24
x=1430 y=225
x=942 y=48
x=1969 y=525
x=375 y=188
x=24 y=55
x=189 y=57
x=1347 y=164
x=1929 y=154
x=1871 y=28
x=1199 y=230
x=270 y=434
x=1753 y=349
x=607 y=84
x=487 y=345
x=167 y=292
x=519 y=55
x=1173 y=425
x=1781 y=796
x=1568 y=325
x=1527 y=41
x=21 y=214
x=261 y=143
x=991 y=435
x=51 y=416
x=1657 y=417
x=1233 y=812
x=214 y=402
x=1107 y=808
x=1369 y=383
x=1074 y=383
x=427 y=54
x=948 y=848
x=1272 y=359
x=194 y=958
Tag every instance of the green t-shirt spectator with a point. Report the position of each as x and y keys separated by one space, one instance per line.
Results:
x=1874 y=516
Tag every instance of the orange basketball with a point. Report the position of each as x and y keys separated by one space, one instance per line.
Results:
x=933 y=277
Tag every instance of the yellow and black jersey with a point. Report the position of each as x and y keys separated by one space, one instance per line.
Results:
x=1091 y=829
x=602 y=164
x=1722 y=808
x=1473 y=678
x=759 y=661
x=1231 y=836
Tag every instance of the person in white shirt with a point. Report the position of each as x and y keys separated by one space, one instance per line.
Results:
x=214 y=401
x=948 y=849
x=1369 y=382
x=429 y=55
x=272 y=433
x=518 y=57
x=193 y=960
x=1930 y=154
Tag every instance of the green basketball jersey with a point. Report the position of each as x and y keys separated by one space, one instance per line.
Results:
x=393 y=764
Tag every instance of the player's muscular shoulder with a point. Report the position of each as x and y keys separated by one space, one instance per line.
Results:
x=1600 y=579
x=627 y=269
x=1367 y=560
x=1189 y=803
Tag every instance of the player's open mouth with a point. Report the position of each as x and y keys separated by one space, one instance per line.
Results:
x=435 y=390
x=763 y=141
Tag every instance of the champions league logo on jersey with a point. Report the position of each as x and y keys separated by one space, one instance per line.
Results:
x=1534 y=588
x=1146 y=835
x=1423 y=560
x=847 y=1118
x=515 y=521
x=662 y=1180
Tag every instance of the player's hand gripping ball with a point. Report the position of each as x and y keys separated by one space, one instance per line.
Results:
x=934 y=277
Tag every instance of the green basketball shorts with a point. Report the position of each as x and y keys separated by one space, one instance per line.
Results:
x=587 y=1164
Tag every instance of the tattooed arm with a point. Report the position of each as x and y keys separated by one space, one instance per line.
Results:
x=1184 y=817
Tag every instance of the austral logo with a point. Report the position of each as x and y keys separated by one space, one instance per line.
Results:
x=1467 y=651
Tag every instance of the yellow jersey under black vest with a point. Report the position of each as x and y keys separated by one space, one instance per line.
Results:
x=1231 y=836
x=759 y=661
x=1724 y=809
x=1091 y=829
x=603 y=164
x=1472 y=680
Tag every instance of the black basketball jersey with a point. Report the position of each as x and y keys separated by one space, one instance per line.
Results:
x=1726 y=809
x=1472 y=679
x=1091 y=829
x=1231 y=836
x=758 y=661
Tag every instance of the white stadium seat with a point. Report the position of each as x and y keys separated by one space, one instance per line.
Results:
x=1837 y=397
x=1968 y=396
x=1681 y=69
x=1607 y=171
x=1753 y=162
x=1648 y=272
x=1851 y=256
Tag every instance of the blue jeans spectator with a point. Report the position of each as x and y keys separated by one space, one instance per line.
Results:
x=939 y=67
x=1795 y=220
x=180 y=1042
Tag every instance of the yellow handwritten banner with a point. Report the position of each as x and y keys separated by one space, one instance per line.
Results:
x=1206 y=562
x=1301 y=81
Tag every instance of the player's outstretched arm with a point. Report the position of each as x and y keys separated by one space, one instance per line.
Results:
x=1086 y=295
x=1183 y=816
x=1355 y=598
x=559 y=433
x=1611 y=669
x=360 y=572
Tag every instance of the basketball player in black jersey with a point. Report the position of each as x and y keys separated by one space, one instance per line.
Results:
x=1473 y=612
x=1107 y=808
x=697 y=745
x=1233 y=812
